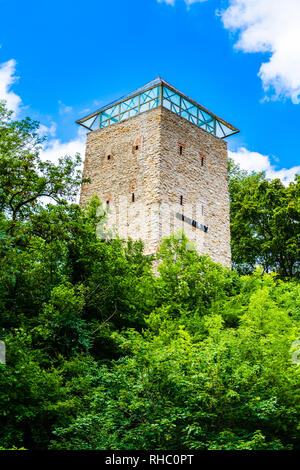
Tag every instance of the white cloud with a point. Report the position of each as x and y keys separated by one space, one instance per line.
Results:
x=169 y=2
x=47 y=131
x=55 y=148
x=254 y=161
x=52 y=148
x=63 y=108
x=188 y=2
x=7 y=79
x=270 y=26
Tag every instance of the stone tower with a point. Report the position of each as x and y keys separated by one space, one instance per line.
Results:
x=158 y=161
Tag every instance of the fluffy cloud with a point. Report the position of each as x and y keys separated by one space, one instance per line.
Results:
x=63 y=108
x=7 y=79
x=55 y=148
x=270 y=26
x=254 y=161
x=169 y=2
x=188 y=2
x=46 y=130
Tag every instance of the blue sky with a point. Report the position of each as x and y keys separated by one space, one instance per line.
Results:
x=238 y=58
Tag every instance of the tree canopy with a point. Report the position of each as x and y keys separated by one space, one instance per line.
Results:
x=265 y=223
x=103 y=354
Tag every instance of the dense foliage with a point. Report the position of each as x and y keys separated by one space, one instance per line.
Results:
x=265 y=223
x=102 y=354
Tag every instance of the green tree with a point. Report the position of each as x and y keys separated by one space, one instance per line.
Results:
x=235 y=388
x=265 y=228
x=24 y=178
x=102 y=354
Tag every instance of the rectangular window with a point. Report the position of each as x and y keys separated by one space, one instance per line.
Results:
x=132 y=197
x=181 y=200
x=180 y=149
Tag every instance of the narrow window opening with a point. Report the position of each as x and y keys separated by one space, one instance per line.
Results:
x=108 y=157
x=107 y=203
x=136 y=147
x=181 y=200
x=202 y=161
x=132 y=197
x=180 y=149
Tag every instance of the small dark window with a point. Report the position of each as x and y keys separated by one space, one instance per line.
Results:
x=202 y=161
x=181 y=200
x=136 y=147
x=107 y=203
x=180 y=149
x=108 y=157
x=132 y=197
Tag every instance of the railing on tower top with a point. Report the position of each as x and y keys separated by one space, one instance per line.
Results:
x=158 y=93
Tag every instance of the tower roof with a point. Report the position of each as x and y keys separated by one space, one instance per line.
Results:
x=156 y=93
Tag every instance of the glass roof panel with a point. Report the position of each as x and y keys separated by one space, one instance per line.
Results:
x=149 y=95
x=124 y=116
x=153 y=93
x=193 y=119
x=88 y=122
x=110 y=112
x=188 y=106
x=95 y=124
x=154 y=103
x=204 y=116
x=131 y=103
x=219 y=130
x=225 y=129
x=175 y=99
x=133 y=112
x=144 y=97
x=156 y=93
x=168 y=93
x=166 y=104
x=175 y=108
x=185 y=114
x=144 y=107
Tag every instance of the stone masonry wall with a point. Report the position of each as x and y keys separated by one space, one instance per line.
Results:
x=199 y=175
x=133 y=148
x=145 y=159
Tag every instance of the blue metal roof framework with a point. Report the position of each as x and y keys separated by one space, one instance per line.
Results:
x=154 y=94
